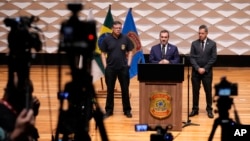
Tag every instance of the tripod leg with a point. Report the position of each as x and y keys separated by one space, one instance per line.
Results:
x=189 y=123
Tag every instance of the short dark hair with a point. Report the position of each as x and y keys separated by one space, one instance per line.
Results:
x=116 y=22
x=164 y=31
x=203 y=27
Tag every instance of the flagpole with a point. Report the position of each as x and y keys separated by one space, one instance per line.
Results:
x=103 y=92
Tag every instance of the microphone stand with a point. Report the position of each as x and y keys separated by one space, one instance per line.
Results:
x=188 y=122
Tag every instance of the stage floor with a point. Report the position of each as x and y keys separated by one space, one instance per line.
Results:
x=120 y=128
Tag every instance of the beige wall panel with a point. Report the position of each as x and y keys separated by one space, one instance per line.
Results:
x=227 y=20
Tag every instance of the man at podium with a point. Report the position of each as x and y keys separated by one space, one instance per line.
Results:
x=164 y=52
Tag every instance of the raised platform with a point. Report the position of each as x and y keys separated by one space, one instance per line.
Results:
x=222 y=60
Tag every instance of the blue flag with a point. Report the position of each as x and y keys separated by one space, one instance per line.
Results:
x=129 y=28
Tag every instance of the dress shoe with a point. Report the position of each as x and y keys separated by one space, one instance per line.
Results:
x=108 y=114
x=210 y=115
x=193 y=113
x=128 y=114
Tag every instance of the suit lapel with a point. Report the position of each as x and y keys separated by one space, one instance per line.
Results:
x=206 y=45
x=198 y=45
x=159 y=48
x=158 y=51
x=167 y=47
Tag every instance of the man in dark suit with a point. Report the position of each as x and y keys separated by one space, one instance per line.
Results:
x=203 y=55
x=164 y=53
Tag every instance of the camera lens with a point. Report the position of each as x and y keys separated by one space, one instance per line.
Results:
x=168 y=137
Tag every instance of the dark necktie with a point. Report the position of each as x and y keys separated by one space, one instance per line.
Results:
x=202 y=45
x=163 y=52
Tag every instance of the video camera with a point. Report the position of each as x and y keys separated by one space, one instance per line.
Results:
x=226 y=88
x=20 y=36
x=21 y=22
x=77 y=36
x=77 y=40
x=161 y=135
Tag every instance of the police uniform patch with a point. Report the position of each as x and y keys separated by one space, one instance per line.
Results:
x=123 y=47
x=160 y=105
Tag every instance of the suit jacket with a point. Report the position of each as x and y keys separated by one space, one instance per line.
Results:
x=172 y=54
x=203 y=58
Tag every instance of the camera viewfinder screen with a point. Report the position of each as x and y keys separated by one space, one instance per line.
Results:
x=141 y=127
x=224 y=92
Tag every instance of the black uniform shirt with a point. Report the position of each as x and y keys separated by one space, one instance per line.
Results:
x=116 y=49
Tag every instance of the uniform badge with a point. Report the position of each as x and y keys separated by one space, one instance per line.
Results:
x=122 y=47
x=160 y=105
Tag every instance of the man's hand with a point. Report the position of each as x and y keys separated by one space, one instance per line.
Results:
x=24 y=120
x=164 y=61
x=201 y=70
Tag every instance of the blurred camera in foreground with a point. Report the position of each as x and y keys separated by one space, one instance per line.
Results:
x=161 y=133
x=21 y=38
x=226 y=88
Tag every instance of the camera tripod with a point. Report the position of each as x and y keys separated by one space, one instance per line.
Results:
x=19 y=88
x=224 y=104
x=77 y=39
x=73 y=123
x=21 y=40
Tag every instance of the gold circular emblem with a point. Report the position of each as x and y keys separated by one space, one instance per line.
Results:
x=160 y=105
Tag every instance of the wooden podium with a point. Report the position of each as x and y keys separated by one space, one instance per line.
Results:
x=160 y=91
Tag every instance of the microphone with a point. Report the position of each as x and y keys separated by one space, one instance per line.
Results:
x=37 y=28
x=35 y=19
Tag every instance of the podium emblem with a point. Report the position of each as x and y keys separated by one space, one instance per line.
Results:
x=160 y=105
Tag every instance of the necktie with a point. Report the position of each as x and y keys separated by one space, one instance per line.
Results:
x=202 y=45
x=163 y=52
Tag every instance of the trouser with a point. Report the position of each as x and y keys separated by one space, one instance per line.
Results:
x=110 y=78
x=207 y=84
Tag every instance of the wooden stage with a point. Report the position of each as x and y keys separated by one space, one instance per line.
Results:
x=120 y=128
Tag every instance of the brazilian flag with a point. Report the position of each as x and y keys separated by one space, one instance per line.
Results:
x=98 y=69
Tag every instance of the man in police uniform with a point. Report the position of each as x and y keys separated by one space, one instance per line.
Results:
x=116 y=58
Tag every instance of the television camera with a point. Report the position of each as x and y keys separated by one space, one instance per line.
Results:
x=224 y=90
x=22 y=38
x=162 y=134
x=77 y=39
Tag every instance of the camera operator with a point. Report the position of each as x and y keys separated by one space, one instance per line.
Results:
x=23 y=121
x=17 y=121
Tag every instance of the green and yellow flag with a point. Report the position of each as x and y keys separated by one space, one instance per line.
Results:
x=105 y=29
x=97 y=66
